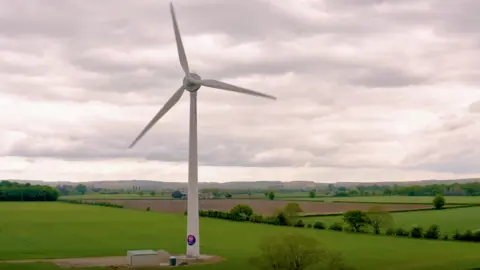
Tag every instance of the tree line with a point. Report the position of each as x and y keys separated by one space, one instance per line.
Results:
x=456 y=189
x=13 y=191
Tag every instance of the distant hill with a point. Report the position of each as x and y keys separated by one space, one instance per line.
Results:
x=149 y=184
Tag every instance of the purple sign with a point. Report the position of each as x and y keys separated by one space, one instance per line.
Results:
x=191 y=240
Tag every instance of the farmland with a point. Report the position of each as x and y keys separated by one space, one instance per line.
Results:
x=298 y=196
x=265 y=207
x=60 y=230
x=449 y=219
x=402 y=199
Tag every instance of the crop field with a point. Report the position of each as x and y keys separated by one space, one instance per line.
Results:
x=61 y=230
x=265 y=207
x=399 y=199
x=448 y=219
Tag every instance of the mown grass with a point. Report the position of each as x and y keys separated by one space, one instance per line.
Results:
x=59 y=230
x=448 y=219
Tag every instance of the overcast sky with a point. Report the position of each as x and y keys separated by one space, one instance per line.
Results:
x=368 y=90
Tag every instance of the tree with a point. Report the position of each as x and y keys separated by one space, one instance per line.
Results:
x=438 y=202
x=288 y=251
x=152 y=193
x=295 y=252
x=13 y=191
x=177 y=194
x=228 y=195
x=379 y=218
x=312 y=193
x=271 y=195
x=356 y=219
x=292 y=209
x=81 y=188
x=240 y=209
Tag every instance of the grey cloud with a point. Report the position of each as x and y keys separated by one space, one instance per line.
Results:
x=74 y=36
x=474 y=107
x=387 y=77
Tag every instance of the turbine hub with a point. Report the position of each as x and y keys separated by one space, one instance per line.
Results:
x=189 y=86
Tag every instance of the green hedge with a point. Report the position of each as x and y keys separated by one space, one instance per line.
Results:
x=105 y=204
x=433 y=232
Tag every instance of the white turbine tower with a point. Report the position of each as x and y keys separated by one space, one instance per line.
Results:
x=192 y=82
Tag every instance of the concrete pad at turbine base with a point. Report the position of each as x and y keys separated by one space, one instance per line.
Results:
x=119 y=262
x=203 y=259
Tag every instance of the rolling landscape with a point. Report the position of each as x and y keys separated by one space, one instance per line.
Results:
x=107 y=222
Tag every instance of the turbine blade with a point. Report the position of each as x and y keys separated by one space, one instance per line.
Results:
x=170 y=103
x=181 y=50
x=231 y=87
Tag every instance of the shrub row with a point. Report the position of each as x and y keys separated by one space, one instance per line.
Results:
x=468 y=235
x=244 y=214
x=106 y=204
x=279 y=219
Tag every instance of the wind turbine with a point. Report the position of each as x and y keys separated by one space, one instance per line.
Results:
x=192 y=83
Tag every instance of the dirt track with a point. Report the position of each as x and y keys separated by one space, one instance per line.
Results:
x=264 y=207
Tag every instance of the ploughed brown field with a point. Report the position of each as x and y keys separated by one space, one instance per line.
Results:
x=264 y=207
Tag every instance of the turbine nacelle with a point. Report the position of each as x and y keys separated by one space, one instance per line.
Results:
x=189 y=83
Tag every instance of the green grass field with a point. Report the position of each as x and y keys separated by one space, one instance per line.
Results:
x=399 y=199
x=60 y=230
x=449 y=219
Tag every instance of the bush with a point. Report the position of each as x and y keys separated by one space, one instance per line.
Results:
x=256 y=219
x=379 y=218
x=309 y=225
x=299 y=224
x=457 y=235
x=319 y=225
x=438 y=202
x=282 y=219
x=336 y=226
x=271 y=195
x=239 y=209
x=356 y=219
x=416 y=231
x=476 y=235
x=433 y=232
x=467 y=236
x=390 y=231
x=445 y=237
x=177 y=194
x=148 y=209
x=296 y=252
x=292 y=209
x=348 y=228
x=401 y=232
